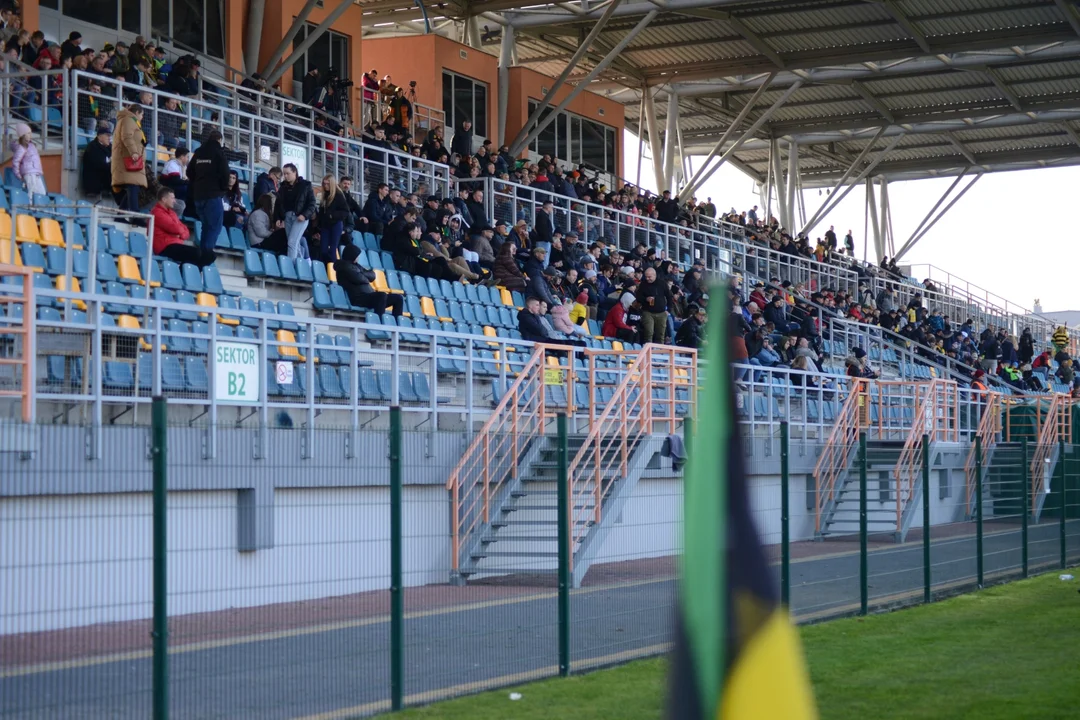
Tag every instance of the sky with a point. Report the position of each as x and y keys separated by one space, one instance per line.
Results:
x=1014 y=234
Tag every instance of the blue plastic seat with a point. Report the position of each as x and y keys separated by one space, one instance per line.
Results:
x=318 y=272
x=284 y=307
x=116 y=241
x=369 y=387
x=374 y=261
x=304 y=271
x=253 y=266
x=247 y=306
x=267 y=306
x=195 y=372
x=193 y=281
x=118 y=376
x=176 y=344
x=320 y=297
x=329 y=382
x=339 y=299
x=172 y=374
x=237 y=241
x=288 y=268
x=185 y=298
x=106 y=267
x=270 y=265
x=421 y=286
x=375 y=334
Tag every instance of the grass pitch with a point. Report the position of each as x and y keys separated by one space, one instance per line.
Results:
x=1008 y=652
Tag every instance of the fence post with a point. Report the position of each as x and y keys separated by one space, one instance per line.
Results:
x=785 y=528
x=1061 y=520
x=864 y=598
x=1025 y=483
x=978 y=511
x=562 y=460
x=160 y=633
x=926 y=516
x=397 y=600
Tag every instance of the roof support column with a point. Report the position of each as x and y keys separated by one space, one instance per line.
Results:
x=290 y=35
x=705 y=175
x=521 y=140
x=684 y=160
x=930 y=214
x=312 y=36
x=253 y=37
x=792 y=181
x=506 y=59
x=670 y=136
x=778 y=181
x=654 y=138
x=886 y=217
x=871 y=205
x=843 y=179
x=920 y=235
x=833 y=201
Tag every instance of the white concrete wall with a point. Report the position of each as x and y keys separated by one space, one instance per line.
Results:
x=83 y=560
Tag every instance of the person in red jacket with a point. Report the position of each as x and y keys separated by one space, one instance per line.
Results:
x=615 y=325
x=170 y=234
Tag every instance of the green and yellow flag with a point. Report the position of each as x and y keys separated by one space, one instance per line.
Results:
x=737 y=656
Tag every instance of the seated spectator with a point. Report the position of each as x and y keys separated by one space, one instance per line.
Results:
x=97 y=162
x=506 y=272
x=170 y=233
x=767 y=355
x=26 y=162
x=174 y=176
x=691 y=333
x=267 y=182
x=615 y=324
x=435 y=246
x=560 y=318
x=579 y=313
x=378 y=209
x=263 y=232
x=857 y=365
x=233 y=203
x=529 y=324
x=357 y=283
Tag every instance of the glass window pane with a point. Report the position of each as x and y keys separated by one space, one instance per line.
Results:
x=610 y=159
x=300 y=68
x=188 y=25
x=131 y=15
x=448 y=104
x=593 y=143
x=50 y=4
x=480 y=106
x=463 y=103
x=548 y=136
x=575 y=139
x=98 y=12
x=215 y=30
x=159 y=17
x=318 y=55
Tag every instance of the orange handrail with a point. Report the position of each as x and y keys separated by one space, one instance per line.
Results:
x=492 y=457
x=24 y=328
x=934 y=418
x=626 y=420
x=842 y=439
x=988 y=431
x=1058 y=424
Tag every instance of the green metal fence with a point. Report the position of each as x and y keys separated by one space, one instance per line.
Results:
x=315 y=579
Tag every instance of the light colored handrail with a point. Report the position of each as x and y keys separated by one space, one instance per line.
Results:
x=988 y=433
x=24 y=361
x=934 y=418
x=834 y=456
x=1058 y=424
x=493 y=456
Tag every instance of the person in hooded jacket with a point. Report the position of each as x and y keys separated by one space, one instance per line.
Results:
x=1026 y=351
x=357 y=281
x=208 y=181
x=462 y=142
x=538 y=285
x=615 y=325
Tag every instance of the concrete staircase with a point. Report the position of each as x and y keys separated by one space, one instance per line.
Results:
x=522 y=535
x=841 y=516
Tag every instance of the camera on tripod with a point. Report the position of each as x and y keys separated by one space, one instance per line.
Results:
x=336 y=81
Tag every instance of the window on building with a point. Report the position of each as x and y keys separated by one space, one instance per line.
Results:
x=465 y=98
x=328 y=52
x=575 y=139
x=195 y=24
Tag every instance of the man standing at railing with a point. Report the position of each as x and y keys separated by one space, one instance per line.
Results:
x=544 y=230
x=655 y=297
x=208 y=175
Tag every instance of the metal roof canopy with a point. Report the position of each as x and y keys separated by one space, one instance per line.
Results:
x=969 y=86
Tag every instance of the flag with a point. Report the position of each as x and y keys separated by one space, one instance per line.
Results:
x=737 y=655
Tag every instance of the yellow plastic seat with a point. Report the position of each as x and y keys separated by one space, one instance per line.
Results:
x=5 y=224
x=427 y=306
x=331 y=273
x=506 y=296
x=128 y=269
x=289 y=348
x=616 y=345
x=62 y=286
x=51 y=233
x=208 y=300
x=380 y=282
x=9 y=255
x=130 y=322
x=26 y=229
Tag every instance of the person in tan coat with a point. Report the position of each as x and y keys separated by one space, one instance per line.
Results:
x=129 y=145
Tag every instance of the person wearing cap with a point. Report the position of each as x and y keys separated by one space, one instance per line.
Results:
x=544 y=229
x=72 y=46
x=119 y=61
x=97 y=162
x=538 y=284
x=26 y=162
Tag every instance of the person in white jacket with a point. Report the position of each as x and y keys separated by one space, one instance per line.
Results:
x=26 y=162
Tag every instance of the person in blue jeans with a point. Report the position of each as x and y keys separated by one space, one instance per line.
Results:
x=208 y=180
x=333 y=211
x=295 y=207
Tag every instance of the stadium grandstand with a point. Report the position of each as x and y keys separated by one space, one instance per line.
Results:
x=312 y=225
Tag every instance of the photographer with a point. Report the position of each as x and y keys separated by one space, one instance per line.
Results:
x=311 y=86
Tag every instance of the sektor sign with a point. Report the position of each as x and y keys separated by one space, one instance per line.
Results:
x=236 y=373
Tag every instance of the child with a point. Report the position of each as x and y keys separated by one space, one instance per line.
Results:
x=26 y=162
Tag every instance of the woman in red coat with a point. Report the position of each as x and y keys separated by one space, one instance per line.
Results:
x=615 y=325
x=170 y=234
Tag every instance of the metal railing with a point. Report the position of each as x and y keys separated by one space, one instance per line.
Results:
x=836 y=455
x=17 y=336
x=988 y=433
x=648 y=393
x=1056 y=426
x=424 y=117
x=936 y=419
x=37 y=98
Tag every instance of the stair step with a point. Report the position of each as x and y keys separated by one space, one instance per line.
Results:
x=553 y=508
x=510 y=571
x=526 y=493
x=535 y=523
x=484 y=554
x=499 y=537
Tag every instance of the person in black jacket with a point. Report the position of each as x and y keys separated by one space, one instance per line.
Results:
x=295 y=207
x=208 y=179
x=667 y=209
x=655 y=297
x=97 y=162
x=267 y=183
x=333 y=211
x=310 y=85
x=355 y=211
x=691 y=333
x=461 y=144
x=529 y=324
x=378 y=209
x=544 y=229
x=356 y=281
